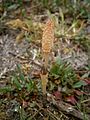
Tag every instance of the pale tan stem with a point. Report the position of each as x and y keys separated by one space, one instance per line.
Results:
x=44 y=80
x=46 y=59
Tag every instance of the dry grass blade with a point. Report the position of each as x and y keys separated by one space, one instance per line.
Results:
x=17 y=23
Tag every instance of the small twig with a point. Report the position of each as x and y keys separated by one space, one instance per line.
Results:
x=82 y=71
x=63 y=114
x=39 y=106
x=52 y=115
x=44 y=109
x=85 y=100
x=34 y=114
